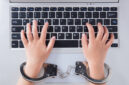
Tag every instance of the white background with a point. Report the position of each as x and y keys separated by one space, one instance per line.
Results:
x=118 y=59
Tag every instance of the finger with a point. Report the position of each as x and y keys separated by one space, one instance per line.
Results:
x=29 y=34
x=84 y=41
x=35 y=32
x=44 y=31
x=109 y=43
x=91 y=32
x=23 y=38
x=51 y=44
x=100 y=31
x=106 y=34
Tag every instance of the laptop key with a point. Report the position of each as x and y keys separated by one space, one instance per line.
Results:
x=29 y=14
x=55 y=21
x=75 y=35
x=61 y=36
x=21 y=44
x=45 y=8
x=30 y=9
x=112 y=28
x=51 y=14
x=83 y=9
x=70 y=21
x=50 y=29
x=57 y=29
x=95 y=28
x=14 y=14
x=95 y=14
x=60 y=8
x=91 y=8
x=37 y=15
x=84 y=21
x=115 y=35
x=14 y=44
x=77 y=21
x=53 y=9
x=111 y=14
x=64 y=28
x=58 y=14
x=62 y=21
x=44 y=14
x=68 y=35
x=71 y=28
x=68 y=8
x=22 y=14
x=48 y=36
x=98 y=8
x=105 y=8
x=75 y=8
x=49 y=21
x=79 y=29
x=16 y=36
x=66 y=15
x=106 y=21
x=100 y=21
x=85 y=29
x=113 y=8
x=102 y=14
x=88 y=14
x=114 y=45
x=114 y=21
x=80 y=14
x=22 y=9
x=73 y=14
x=92 y=21
x=25 y=21
x=38 y=9
x=40 y=21
x=16 y=22
x=17 y=29
x=65 y=43
x=54 y=34
x=15 y=9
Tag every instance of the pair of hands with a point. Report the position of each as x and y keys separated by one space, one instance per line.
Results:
x=37 y=52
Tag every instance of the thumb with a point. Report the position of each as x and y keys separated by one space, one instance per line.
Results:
x=51 y=44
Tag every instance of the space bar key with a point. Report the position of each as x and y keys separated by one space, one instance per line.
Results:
x=66 y=43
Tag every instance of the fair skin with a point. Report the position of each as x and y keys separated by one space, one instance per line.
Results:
x=37 y=52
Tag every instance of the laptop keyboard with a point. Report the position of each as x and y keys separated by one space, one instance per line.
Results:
x=66 y=23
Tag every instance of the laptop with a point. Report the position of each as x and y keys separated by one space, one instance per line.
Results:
x=67 y=19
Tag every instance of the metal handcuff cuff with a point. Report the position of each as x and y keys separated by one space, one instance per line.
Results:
x=81 y=68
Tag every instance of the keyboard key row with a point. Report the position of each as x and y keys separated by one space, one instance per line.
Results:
x=16 y=36
x=58 y=44
x=64 y=9
x=64 y=15
x=65 y=28
x=66 y=21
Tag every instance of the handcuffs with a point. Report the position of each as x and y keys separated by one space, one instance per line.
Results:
x=52 y=70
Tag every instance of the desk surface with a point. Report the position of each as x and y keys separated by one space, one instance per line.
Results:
x=118 y=59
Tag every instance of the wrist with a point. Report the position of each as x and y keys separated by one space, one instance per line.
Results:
x=32 y=70
x=96 y=71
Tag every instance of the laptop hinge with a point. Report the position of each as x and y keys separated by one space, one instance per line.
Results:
x=64 y=1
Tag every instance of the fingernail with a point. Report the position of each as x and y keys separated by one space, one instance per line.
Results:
x=54 y=37
x=99 y=23
x=83 y=34
x=21 y=30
